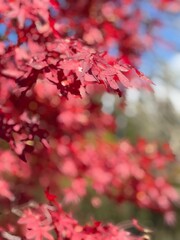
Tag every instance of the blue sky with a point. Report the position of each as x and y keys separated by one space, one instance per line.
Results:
x=169 y=32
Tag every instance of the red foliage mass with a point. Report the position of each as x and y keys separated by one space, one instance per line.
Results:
x=46 y=117
x=41 y=221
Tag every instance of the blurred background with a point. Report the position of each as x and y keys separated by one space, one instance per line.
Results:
x=154 y=116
